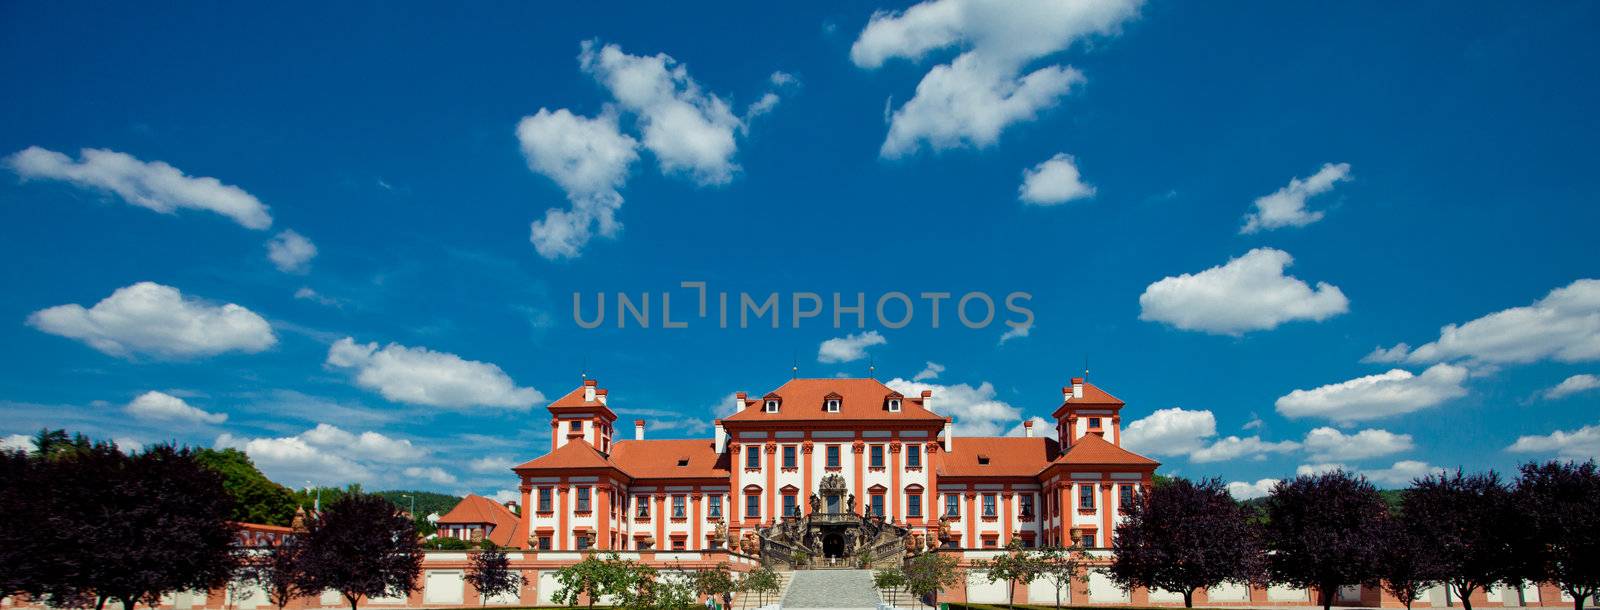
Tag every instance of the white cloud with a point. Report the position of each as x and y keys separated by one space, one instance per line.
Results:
x=1375 y=396
x=972 y=99
x=16 y=442
x=589 y=159
x=368 y=445
x=929 y=372
x=491 y=464
x=417 y=375
x=1016 y=332
x=1054 y=181
x=1255 y=423
x=161 y=406
x=1241 y=490
x=1400 y=474
x=1583 y=443
x=1287 y=206
x=151 y=318
x=294 y=460
x=1248 y=293
x=431 y=473
x=1563 y=326
x=689 y=130
x=153 y=185
x=305 y=293
x=849 y=348
x=1233 y=448
x=1572 y=385
x=975 y=409
x=1041 y=428
x=1311 y=470
x=291 y=252
x=1172 y=431
x=1329 y=444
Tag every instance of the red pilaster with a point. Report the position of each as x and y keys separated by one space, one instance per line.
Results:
x=602 y=514
x=805 y=483
x=771 y=492
x=858 y=451
x=895 y=514
x=526 y=516
x=561 y=517
x=695 y=541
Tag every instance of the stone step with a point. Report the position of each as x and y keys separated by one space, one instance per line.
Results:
x=831 y=589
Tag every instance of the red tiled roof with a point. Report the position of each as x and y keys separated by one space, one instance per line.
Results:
x=1093 y=396
x=1006 y=456
x=1091 y=449
x=860 y=399
x=574 y=454
x=660 y=459
x=475 y=509
x=575 y=397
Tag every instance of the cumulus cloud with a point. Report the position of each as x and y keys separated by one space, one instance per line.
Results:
x=1243 y=490
x=1583 y=443
x=929 y=372
x=1563 y=326
x=976 y=410
x=1042 y=428
x=1233 y=448
x=1401 y=473
x=1053 y=181
x=1016 y=332
x=1311 y=470
x=153 y=185
x=16 y=442
x=972 y=99
x=305 y=293
x=1173 y=431
x=291 y=458
x=491 y=464
x=1376 y=396
x=1287 y=206
x=434 y=474
x=154 y=319
x=367 y=445
x=418 y=375
x=849 y=348
x=161 y=406
x=1329 y=444
x=291 y=252
x=1572 y=385
x=1248 y=293
x=589 y=159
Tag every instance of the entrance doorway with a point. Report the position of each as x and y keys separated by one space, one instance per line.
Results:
x=833 y=546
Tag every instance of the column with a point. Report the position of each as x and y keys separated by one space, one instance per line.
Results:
x=526 y=516
x=732 y=513
x=931 y=459
x=895 y=514
x=805 y=484
x=661 y=522
x=561 y=517
x=695 y=541
x=602 y=513
x=1064 y=506
x=857 y=450
x=771 y=492
x=972 y=519
x=1107 y=490
x=1005 y=518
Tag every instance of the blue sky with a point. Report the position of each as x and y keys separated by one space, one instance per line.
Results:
x=1421 y=166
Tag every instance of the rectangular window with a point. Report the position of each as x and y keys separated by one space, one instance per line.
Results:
x=913 y=456
x=1086 y=496
x=583 y=500
x=1089 y=539
x=752 y=457
x=988 y=505
x=714 y=509
x=544 y=543
x=679 y=508
x=1026 y=504
x=876 y=457
x=544 y=500
x=677 y=545
x=877 y=505
x=833 y=405
x=788 y=456
x=833 y=456
x=990 y=542
x=1124 y=496
x=791 y=508
x=952 y=505
x=752 y=507
x=644 y=507
x=1094 y=423
x=913 y=505
x=583 y=541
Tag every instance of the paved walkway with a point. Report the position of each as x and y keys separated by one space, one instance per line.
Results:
x=832 y=589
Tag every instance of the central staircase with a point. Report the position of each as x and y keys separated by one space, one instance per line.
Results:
x=831 y=589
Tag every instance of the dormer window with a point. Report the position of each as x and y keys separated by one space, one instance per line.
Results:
x=1094 y=423
x=832 y=405
x=894 y=405
x=983 y=460
x=772 y=406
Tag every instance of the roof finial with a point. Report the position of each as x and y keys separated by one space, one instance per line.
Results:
x=794 y=366
x=1086 y=367
x=583 y=374
x=872 y=368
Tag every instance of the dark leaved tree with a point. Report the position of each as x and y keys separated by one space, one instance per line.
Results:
x=19 y=517
x=1405 y=566
x=1562 y=503
x=1185 y=536
x=490 y=574
x=361 y=546
x=1467 y=521
x=1323 y=532
x=276 y=569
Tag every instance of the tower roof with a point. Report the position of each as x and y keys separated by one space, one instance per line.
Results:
x=859 y=399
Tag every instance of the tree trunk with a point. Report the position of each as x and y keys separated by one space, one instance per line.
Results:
x=352 y=599
x=1466 y=597
x=1188 y=598
x=1577 y=602
x=1058 y=598
x=127 y=602
x=1326 y=592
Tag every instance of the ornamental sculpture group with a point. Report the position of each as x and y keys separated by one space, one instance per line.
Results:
x=832 y=534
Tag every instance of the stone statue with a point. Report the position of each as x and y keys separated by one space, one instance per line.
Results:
x=816 y=503
x=850 y=503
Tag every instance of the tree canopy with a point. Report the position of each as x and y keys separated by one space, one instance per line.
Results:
x=361 y=546
x=1324 y=531
x=256 y=498
x=1562 y=501
x=1185 y=536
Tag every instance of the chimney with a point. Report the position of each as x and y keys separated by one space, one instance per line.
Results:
x=1077 y=387
x=927 y=399
x=588 y=390
x=949 y=436
x=600 y=395
x=1027 y=428
x=739 y=402
x=721 y=436
x=638 y=429
x=511 y=505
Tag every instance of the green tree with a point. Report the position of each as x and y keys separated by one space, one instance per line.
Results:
x=889 y=580
x=256 y=498
x=1059 y=567
x=1017 y=565
x=592 y=578
x=929 y=573
x=714 y=582
x=760 y=582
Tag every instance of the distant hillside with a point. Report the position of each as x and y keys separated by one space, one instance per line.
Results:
x=427 y=501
